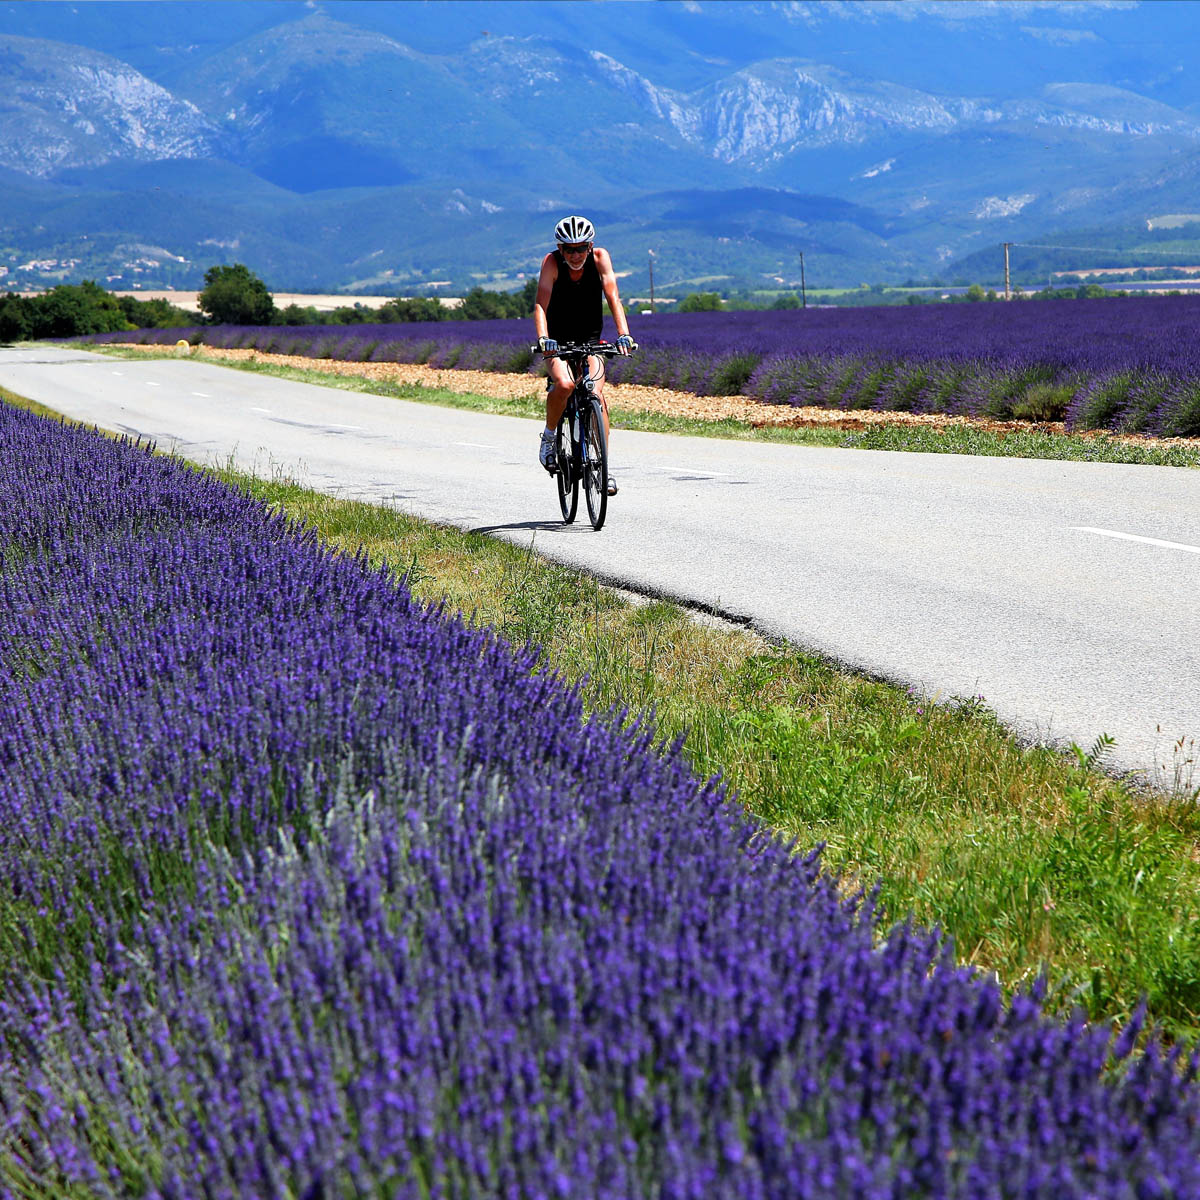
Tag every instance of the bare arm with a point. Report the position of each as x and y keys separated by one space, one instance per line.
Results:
x=541 y=305
x=608 y=281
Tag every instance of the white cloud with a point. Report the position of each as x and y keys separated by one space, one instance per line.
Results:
x=1060 y=37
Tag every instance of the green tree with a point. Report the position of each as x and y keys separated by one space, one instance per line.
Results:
x=975 y=292
x=295 y=315
x=787 y=300
x=700 y=302
x=235 y=296
x=347 y=314
x=15 y=319
x=73 y=309
x=416 y=308
x=154 y=314
x=479 y=304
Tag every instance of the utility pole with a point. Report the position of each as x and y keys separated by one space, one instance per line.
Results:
x=651 y=254
x=1007 y=286
x=803 y=291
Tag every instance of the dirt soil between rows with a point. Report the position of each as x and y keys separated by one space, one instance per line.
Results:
x=635 y=397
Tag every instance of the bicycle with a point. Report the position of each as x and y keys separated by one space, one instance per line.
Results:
x=580 y=444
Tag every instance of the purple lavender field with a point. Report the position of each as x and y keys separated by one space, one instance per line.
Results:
x=1126 y=365
x=297 y=901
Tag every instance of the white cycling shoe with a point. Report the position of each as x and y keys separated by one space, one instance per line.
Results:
x=547 y=453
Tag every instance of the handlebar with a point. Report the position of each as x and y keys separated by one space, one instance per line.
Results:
x=568 y=349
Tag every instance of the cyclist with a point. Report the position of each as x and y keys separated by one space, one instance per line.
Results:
x=575 y=280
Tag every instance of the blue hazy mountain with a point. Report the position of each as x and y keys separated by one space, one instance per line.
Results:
x=388 y=146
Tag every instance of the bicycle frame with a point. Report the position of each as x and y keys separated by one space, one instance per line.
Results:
x=580 y=366
x=581 y=441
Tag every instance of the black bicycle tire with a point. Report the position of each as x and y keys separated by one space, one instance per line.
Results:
x=567 y=475
x=595 y=470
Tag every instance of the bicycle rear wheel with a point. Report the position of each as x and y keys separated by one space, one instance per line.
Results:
x=595 y=466
x=567 y=476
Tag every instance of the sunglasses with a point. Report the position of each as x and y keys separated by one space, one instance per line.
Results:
x=581 y=248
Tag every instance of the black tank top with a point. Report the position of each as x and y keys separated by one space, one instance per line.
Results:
x=576 y=312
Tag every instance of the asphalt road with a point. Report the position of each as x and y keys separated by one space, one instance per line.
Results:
x=1065 y=594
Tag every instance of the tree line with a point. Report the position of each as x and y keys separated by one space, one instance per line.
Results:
x=232 y=295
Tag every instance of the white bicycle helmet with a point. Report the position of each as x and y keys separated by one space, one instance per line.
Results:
x=574 y=229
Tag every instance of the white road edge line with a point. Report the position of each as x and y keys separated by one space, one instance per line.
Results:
x=1134 y=537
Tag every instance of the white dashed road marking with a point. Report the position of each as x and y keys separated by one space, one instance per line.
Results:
x=1134 y=537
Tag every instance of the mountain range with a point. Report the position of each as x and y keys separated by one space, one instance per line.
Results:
x=351 y=145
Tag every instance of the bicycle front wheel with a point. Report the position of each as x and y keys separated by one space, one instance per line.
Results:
x=595 y=465
x=566 y=448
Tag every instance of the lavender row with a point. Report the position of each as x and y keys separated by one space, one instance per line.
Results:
x=1130 y=366
x=309 y=890
x=497 y=345
x=463 y=988
x=174 y=658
